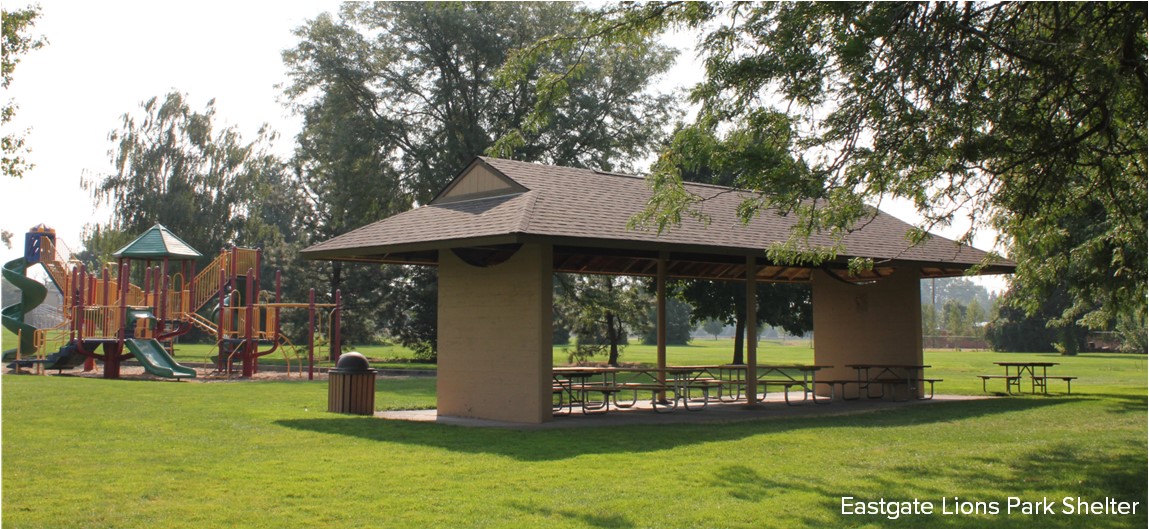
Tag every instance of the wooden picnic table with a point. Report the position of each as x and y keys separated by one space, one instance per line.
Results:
x=1014 y=371
x=679 y=382
x=572 y=385
x=692 y=386
x=577 y=385
x=733 y=376
x=891 y=376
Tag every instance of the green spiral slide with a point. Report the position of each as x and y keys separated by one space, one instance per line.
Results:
x=32 y=294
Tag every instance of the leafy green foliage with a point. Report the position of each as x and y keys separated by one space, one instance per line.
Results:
x=172 y=166
x=411 y=308
x=713 y=327
x=679 y=323
x=397 y=98
x=601 y=311
x=1016 y=329
x=956 y=307
x=17 y=42
x=1025 y=117
x=786 y=305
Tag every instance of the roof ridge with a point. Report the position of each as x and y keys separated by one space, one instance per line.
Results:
x=527 y=211
x=604 y=172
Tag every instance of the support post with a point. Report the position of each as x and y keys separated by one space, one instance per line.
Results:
x=224 y=315
x=275 y=311
x=336 y=346
x=164 y=285
x=107 y=287
x=311 y=334
x=248 y=340
x=751 y=331
x=660 y=287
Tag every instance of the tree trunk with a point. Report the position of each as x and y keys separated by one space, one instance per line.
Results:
x=1068 y=339
x=612 y=333
x=739 y=333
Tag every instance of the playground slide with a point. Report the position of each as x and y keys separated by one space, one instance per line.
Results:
x=156 y=359
x=68 y=357
x=32 y=294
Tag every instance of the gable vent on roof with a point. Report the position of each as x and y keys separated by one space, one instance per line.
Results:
x=479 y=181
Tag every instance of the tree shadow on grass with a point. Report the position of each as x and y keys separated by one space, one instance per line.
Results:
x=1049 y=472
x=565 y=443
x=582 y=516
x=1122 y=404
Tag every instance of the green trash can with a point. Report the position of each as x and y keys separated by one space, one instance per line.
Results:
x=351 y=386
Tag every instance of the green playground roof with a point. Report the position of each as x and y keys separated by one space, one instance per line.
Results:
x=158 y=242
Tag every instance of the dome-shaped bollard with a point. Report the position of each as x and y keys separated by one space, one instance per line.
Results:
x=351 y=386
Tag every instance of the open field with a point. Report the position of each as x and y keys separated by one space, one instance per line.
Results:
x=81 y=452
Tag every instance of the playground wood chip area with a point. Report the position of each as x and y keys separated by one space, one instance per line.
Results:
x=130 y=372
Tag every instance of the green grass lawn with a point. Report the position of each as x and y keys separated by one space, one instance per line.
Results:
x=83 y=452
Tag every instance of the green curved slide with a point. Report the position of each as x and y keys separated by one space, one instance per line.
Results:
x=32 y=294
x=156 y=359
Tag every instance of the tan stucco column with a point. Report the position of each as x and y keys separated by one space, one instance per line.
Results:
x=880 y=323
x=495 y=342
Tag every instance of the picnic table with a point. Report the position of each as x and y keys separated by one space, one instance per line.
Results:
x=731 y=379
x=576 y=385
x=890 y=377
x=1015 y=371
x=595 y=389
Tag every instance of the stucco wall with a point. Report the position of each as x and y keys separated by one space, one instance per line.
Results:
x=495 y=337
x=872 y=324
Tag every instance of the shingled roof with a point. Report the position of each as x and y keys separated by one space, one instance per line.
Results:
x=156 y=243
x=495 y=205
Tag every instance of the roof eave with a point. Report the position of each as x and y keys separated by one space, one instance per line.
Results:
x=367 y=253
x=415 y=253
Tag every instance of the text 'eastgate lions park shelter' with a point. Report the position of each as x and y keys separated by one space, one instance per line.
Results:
x=502 y=228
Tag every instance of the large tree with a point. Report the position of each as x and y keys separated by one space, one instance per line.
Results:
x=398 y=97
x=785 y=305
x=602 y=311
x=18 y=41
x=1011 y=115
x=790 y=306
x=172 y=165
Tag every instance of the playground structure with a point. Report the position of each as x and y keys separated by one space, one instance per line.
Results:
x=104 y=316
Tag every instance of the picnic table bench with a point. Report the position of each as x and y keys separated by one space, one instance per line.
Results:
x=887 y=378
x=1015 y=371
x=574 y=386
x=1042 y=380
x=838 y=386
x=730 y=380
x=1011 y=381
x=597 y=389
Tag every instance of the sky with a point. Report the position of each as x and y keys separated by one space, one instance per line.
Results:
x=104 y=59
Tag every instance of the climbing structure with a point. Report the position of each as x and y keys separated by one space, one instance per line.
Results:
x=32 y=293
x=110 y=318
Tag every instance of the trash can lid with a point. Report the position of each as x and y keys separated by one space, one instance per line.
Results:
x=352 y=362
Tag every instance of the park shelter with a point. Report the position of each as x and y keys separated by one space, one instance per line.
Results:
x=501 y=228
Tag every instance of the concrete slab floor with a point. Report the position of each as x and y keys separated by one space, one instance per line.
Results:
x=713 y=412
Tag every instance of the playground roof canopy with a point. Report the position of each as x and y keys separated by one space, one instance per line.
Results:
x=156 y=243
x=494 y=205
